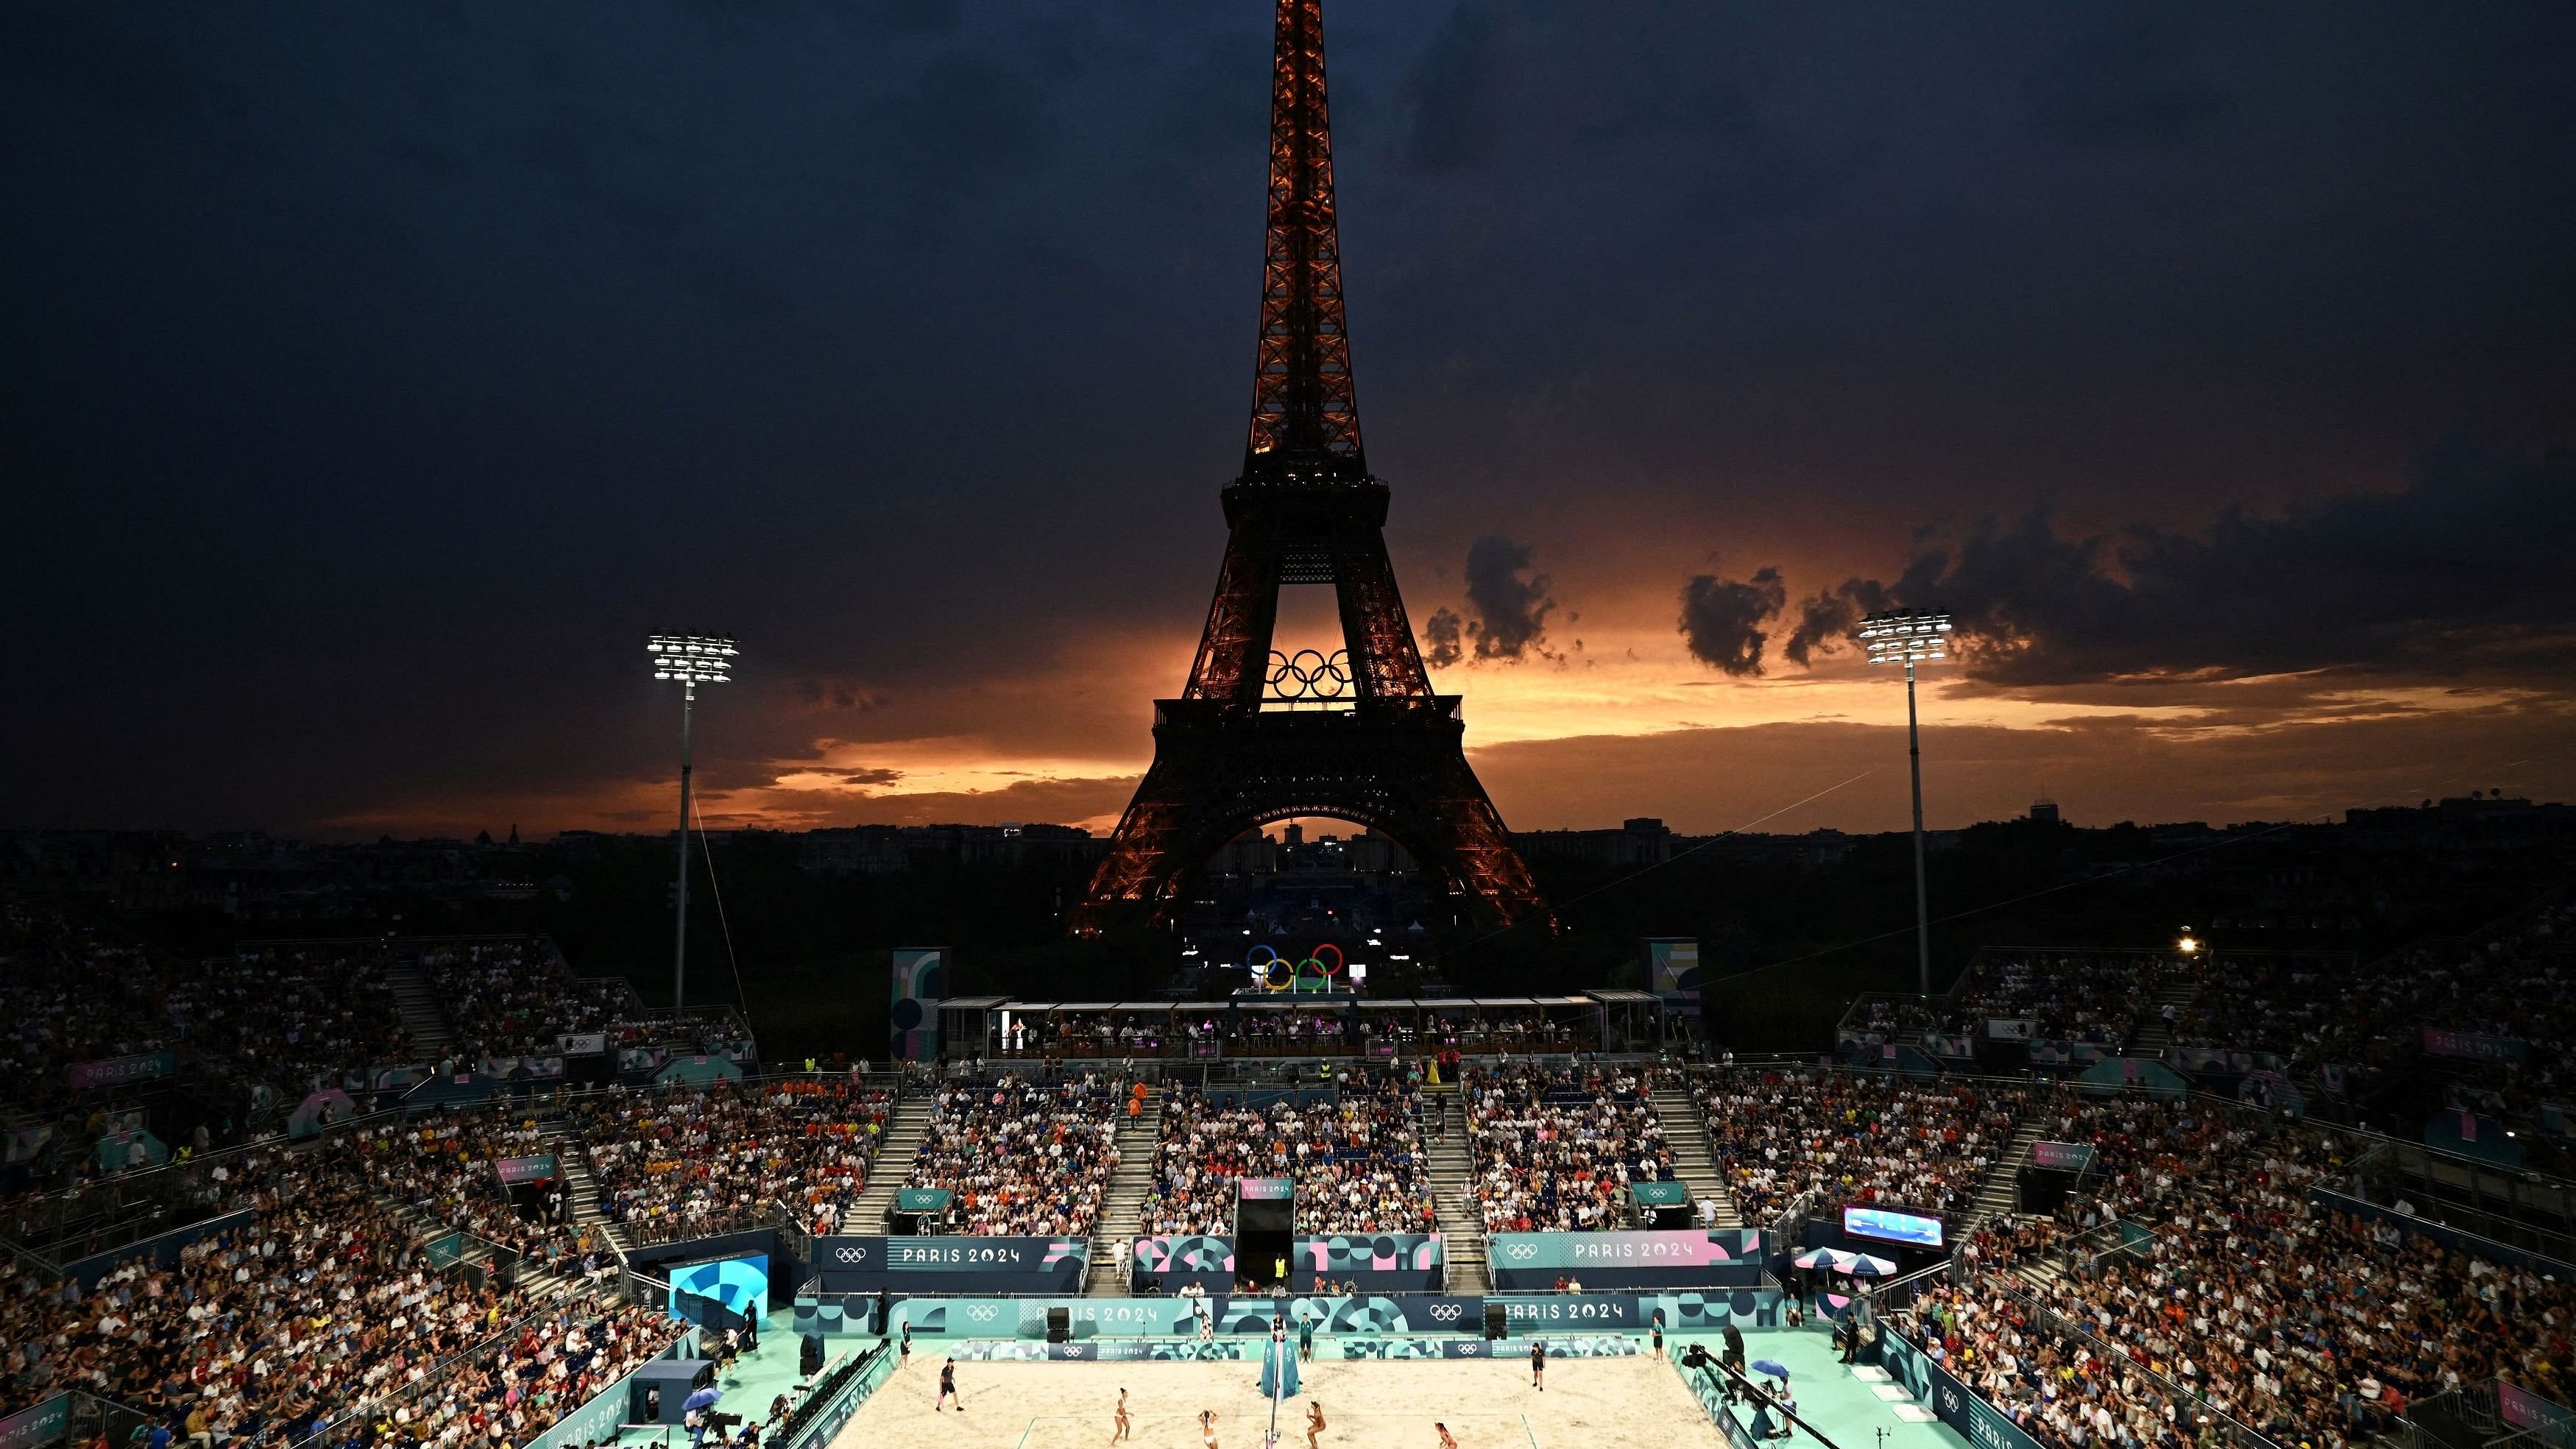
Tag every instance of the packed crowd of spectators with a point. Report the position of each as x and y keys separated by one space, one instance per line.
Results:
x=1555 y=1151
x=447 y=1167
x=513 y=997
x=1357 y=1161
x=1021 y=1158
x=2228 y=1287
x=296 y=1019
x=66 y=996
x=1851 y=1137
x=674 y=1162
x=325 y=1301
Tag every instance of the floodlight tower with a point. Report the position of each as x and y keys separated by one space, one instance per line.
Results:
x=692 y=659
x=1910 y=637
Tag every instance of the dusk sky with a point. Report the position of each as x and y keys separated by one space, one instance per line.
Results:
x=379 y=376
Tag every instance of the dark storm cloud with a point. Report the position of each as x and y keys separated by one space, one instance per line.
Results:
x=1826 y=619
x=1722 y=619
x=1443 y=638
x=1508 y=604
x=2462 y=571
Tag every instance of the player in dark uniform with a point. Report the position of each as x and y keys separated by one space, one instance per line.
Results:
x=1538 y=1364
x=947 y=1388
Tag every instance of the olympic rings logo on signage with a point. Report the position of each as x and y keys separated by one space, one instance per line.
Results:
x=850 y=1255
x=1446 y=1312
x=1278 y=973
x=982 y=1312
x=1521 y=1252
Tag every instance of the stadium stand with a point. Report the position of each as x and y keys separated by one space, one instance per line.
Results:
x=1358 y=1161
x=1555 y=1150
x=674 y=1162
x=512 y=997
x=1021 y=1158
x=1854 y=1138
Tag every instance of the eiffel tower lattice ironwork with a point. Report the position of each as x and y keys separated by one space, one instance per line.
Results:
x=1258 y=736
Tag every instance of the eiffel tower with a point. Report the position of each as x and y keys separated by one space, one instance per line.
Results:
x=1258 y=735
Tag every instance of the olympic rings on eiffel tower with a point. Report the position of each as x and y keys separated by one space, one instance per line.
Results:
x=1310 y=674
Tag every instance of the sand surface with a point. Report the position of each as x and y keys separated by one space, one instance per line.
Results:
x=1604 y=1403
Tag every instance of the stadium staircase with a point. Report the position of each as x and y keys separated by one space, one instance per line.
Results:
x=581 y=1190
x=893 y=1166
x=2155 y=1036
x=1453 y=1185
x=1125 y=1198
x=417 y=1000
x=1694 y=1153
x=2000 y=1193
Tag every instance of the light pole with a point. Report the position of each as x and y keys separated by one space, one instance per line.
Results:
x=692 y=659
x=1908 y=637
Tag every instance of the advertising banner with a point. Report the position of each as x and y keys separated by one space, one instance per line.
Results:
x=1672 y=967
x=516 y=1170
x=1227 y=1350
x=2466 y=1045
x=2011 y=1028
x=2063 y=1156
x=1379 y=1262
x=1267 y=1189
x=921 y=1199
x=1714 y=1257
x=1228 y=1317
x=849 y=1263
x=1949 y=1044
x=920 y=979
x=582 y=1043
x=1660 y=1194
x=2546 y=1420
x=1386 y=1262
x=116 y=1071
x=1179 y=1259
x=1977 y=1421
x=1682 y=1312
x=42 y=1424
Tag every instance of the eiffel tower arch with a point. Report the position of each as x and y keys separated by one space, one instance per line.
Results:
x=1258 y=735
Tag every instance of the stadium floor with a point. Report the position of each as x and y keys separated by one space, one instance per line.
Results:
x=1632 y=1403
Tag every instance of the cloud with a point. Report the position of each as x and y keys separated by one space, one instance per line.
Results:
x=1441 y=638
x=877 y=776
x=2459 y=572
x=1827 y=619
x=1509 y=604
x=1722 y=618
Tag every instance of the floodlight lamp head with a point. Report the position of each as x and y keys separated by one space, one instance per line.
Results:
x=1904 y=636
x=692 y=659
